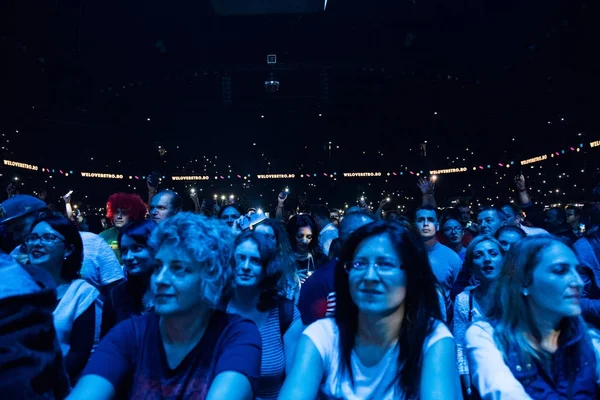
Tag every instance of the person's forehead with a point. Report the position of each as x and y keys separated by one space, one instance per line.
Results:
x=163 y=199
x=426 y=214
x=451 y=222
x=488 y=213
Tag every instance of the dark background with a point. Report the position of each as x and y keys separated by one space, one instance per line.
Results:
x=507 y=80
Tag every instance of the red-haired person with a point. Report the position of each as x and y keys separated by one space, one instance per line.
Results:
x=122 y=208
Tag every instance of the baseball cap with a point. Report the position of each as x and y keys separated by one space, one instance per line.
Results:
x=18 y=206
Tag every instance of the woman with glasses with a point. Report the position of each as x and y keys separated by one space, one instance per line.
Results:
x=536 y=344
x=54 y=244
x=386 y=341
x=484 y=257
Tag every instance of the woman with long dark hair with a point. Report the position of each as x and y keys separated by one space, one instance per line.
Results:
x=536 y=344
x=303 y=233
x=386 y=341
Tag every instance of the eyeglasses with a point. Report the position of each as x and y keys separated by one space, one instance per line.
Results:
x=382 y=267
x=457 y=229
x=46 y=238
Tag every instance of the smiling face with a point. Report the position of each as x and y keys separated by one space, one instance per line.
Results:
x=46 y=247
x=487 y=261
x=378 y=288
x=137 y=258
x=556 y=286
x=177 y=283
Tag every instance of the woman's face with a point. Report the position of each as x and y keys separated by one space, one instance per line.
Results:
x=508 y=238
x=230 y=215
x=376 y=278
x=248 y=265
x=137 y=258
x=267 y=231
x=304 y=237
x=487 y=261
x=556 y=287
x=46 y=247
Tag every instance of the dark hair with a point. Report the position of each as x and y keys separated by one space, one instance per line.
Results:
x=235 y=206
x=301 y=221
x=139 y=231
x=422 y=305
x=514 y=208
x=501 y=214
x=576 y=210
x=449 y=213
x=320 y=211
x=72 y=264
x=510 y=228
x=176 y=201
x=94 y=222
x=272 y=283
x=285 y=254
x=561 y=214
x=426 y=207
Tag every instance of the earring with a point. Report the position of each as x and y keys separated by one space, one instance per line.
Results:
x=525 y=292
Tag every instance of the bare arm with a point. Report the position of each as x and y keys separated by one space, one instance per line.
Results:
x=92 y=387
x=305 y=377
x=290 y=341
x=230 y=385
x=439 y=375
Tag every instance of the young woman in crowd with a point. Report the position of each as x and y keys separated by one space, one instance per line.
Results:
x=121 y=209
x=275 y=231
x=386 y=341
x=484 y=257
x=132 y=297
x=255 y=293
x=536 y=345
x=54 y=244
x=302 y=232
x=508 y=235
x=186 y=348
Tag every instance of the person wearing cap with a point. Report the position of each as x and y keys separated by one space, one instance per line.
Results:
x=100 y=264
x=16 y=216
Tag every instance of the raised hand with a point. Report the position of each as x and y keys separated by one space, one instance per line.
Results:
x=520 y=182
x=427 y=186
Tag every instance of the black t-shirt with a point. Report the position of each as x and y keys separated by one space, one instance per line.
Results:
x=133 y=359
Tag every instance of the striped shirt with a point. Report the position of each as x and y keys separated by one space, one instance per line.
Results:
x=272 y=369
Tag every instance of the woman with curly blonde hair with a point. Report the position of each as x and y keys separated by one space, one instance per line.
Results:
x=187 y=348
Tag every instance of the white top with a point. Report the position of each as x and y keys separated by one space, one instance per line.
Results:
x=326 y=236
x=490 y=374
x=100 y=264
x=460 y=325
x=74 y=299
x=369 y=382
x=531 y=230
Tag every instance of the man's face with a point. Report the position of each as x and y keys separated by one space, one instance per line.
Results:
x=16 y=230
x=511 y=217
x=572 y=217
x=426 y=223
x=161 y=207
x=489 y=222
x=121 y=218
x=551 y=219
x=465 y=215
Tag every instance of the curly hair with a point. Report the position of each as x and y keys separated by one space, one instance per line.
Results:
x=132 y=203
x=208 y=242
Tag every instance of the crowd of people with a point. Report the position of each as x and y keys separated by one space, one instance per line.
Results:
x=222 y=302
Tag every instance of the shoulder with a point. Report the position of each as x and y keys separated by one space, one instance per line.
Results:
x=80 y=287
x=232 y=325
x=321 y=329
x=479 y=330
x=440 y=331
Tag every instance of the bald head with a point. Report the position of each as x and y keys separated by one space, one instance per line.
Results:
x=352 y=222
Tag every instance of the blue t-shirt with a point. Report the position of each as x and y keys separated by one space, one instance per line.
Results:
x=133 y=359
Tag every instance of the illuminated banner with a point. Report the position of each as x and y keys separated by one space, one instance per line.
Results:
x=534 y=160
x=99 y=175
x=361 y=174
x=20 y=165
x=595 y=144
x=448 y=171
x=276 y=176
x=190 y=178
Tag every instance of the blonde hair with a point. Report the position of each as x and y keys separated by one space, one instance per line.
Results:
x=208 y=242
x=510 y=314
